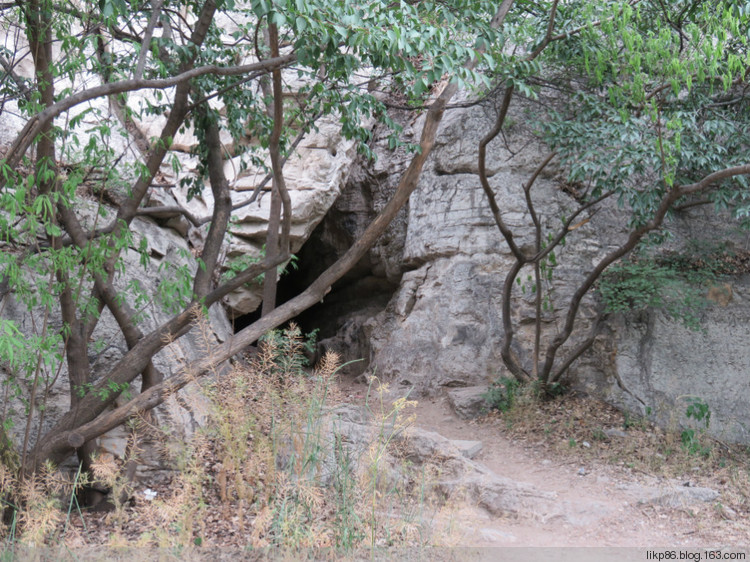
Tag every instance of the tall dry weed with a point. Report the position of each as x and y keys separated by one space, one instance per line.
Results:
x=35 y=507
x=272 y=467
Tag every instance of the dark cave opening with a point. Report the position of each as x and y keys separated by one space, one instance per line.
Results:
x=358 y=290
x=244 y=320
x=359 y=295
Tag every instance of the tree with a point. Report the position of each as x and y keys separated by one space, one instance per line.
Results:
x=649 y=107
x=644 y=73
x=57 y=261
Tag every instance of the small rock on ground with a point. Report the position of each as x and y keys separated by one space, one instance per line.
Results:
x=469 y=449
x=468 y=402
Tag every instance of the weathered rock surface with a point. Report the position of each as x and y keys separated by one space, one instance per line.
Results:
x=459 y=477
x=468 y=402
x=662 y=365
x=682 y=496
x=442 y=327
x=468 y=448
x=314 y=174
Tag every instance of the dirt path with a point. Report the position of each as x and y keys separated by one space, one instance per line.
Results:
x=595 y=504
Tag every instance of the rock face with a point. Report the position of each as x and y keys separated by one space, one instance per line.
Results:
x=663 y=366
x=652 y=365
x=367 y=288
x=315 y=174
x=442 y=326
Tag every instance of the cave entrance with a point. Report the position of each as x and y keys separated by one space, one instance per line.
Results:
x=358 y=296
x=358 y=292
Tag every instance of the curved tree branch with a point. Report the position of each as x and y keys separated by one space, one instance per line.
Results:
x=222 y=209
x=665 y=205
x=36 y=124
x=146 y=43
x=58 y=442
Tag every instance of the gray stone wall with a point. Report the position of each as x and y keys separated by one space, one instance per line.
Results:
x=442 y=328
x=655 y=366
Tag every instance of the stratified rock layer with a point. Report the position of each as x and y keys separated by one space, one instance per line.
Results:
x=442 y=328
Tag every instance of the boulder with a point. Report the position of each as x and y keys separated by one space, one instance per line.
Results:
x=458 y=478
x=468 y=448
x=469 y=402
x=682 y=496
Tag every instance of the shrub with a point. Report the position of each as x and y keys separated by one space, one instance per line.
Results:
x=698 y=411
x=502 y=393
x=668 y=286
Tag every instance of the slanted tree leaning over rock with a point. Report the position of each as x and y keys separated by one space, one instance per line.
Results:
x=177 y=54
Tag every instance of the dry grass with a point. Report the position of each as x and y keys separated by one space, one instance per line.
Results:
x=268 y=470
x=42 y=517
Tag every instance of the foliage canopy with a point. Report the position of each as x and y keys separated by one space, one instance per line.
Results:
x=651 y=108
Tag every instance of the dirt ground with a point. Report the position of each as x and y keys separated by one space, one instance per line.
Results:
x=600 y=491
x=605 y=501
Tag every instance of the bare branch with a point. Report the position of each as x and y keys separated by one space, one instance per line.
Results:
x=118 y=104
x=579 y=350
x=120 y=310
x=36 y=123
x=222 y=208
x=146 y=43
x=23 y=89
x=568 y=225
x=54 y=447
x=276 y=243
x=482 y=165
x=268 y=177
x=714 y=177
